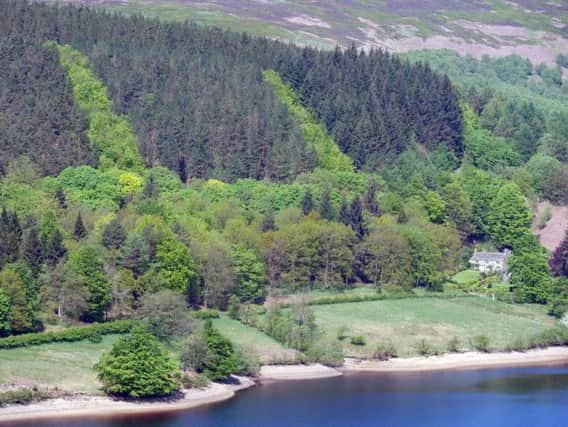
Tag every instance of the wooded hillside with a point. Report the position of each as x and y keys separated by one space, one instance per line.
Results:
x=197 y=100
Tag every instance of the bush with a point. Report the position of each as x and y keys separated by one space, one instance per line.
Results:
x=341 y=333
x=18 y=396
x=138 y=366
x=194 y=381
x=385 y=350
x=95 y=338
x=358 y=340
x=206 y=314
x=424 y=348
x=518 y=345
x=68 y=335
x=454 y=345
x=326 y=352
x=481 y=343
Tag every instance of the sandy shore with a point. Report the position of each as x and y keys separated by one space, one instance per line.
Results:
x=297 y=372
x=100 y=406
x=469 y=360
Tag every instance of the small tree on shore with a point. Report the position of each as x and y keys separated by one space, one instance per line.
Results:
x=137 y=366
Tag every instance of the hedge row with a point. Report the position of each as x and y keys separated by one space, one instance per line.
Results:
x=69 y=334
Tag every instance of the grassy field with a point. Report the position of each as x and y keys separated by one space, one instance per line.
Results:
x=466 y=276
x=268 y=349
x=405 y=322
x=68 y=366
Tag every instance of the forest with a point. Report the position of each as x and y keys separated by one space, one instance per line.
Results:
x=147 y=167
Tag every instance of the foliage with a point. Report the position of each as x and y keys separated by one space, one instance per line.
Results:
x=88 y=267
x=250 y=275
x=68 y=334
x=509 y=216
x=329 y=156
x=167 y=315
x=357 y=340
x=223 y=360
x=481 y=343
x=138 y=367
x=385 y=350
x=109 y=133
x=559 y=259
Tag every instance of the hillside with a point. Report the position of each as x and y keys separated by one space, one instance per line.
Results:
x=530 y=28
x=222 y=200
x=197 y=101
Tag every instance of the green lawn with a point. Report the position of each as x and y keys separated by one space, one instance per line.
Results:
x=68 y=366
x=268 y=349
x=406 y=321
x=466 y=276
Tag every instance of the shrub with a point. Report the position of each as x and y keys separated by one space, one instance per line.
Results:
x=326 y=352
x=18 y=396
x=68 y=335
x=194 y=380
x=95 y=338
x=206 y=314
x=481 y=343
x=454 y=345
x=341 y=333
x=385 y=350
x=358 y=340
x=138 y=366
x=518 y=345
x=424 y=348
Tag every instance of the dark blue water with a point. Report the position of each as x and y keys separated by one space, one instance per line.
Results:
x=485 y=398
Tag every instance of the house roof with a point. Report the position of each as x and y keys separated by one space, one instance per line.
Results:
x=489 y=257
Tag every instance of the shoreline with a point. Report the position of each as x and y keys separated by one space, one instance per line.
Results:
x=461 y=361
x=101 y=406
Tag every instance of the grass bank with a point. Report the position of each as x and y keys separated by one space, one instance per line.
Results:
x=406 y=322
x=68 y=365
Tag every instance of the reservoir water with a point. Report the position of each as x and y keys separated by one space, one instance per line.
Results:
x=521 y=397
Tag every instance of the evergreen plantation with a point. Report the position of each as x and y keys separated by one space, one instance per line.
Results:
x=196 y=95
x=147 y=167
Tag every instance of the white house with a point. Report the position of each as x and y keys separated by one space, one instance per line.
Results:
x=490 y=262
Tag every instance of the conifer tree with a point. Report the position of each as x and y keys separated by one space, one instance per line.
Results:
x=182 y=170
x=371 y=202
x=356 y=218
x=268 y=222
x=326 y=207
x=54 y=249
x=32 y=250
x=307 y=202
x=344 y=212
x=61 y=199
x=402 y=218
x=79 y=230
x=559 y=259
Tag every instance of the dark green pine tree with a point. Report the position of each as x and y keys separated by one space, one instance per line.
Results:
x=54 y=249
x=10 y=237
x=182 y=170
x=307 y=202
x=80 y=231
x=150 y=189
x=326 y=207
x=402 y=218
x=113 y=235
x=356 y=218
x=371 y=202
x=268 y=222
x=344 y=212
x=61 y=199
x=559 y=259
x=32 y=250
